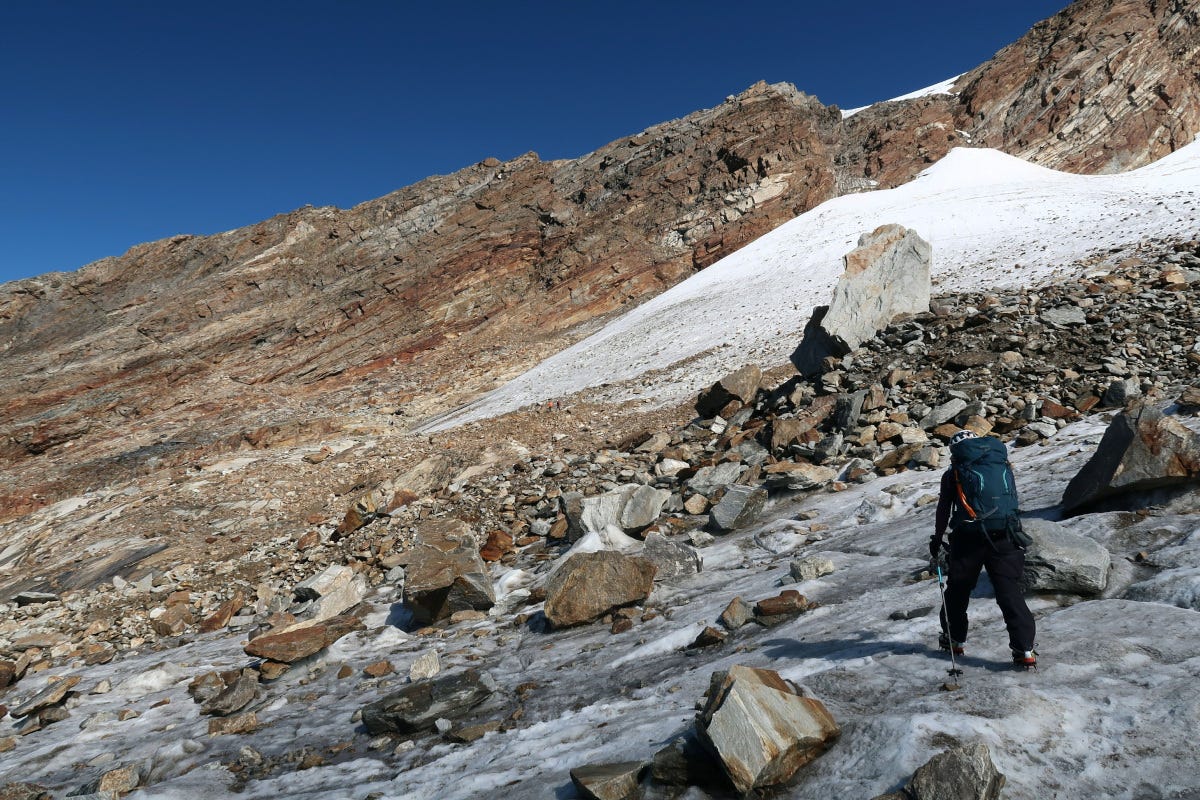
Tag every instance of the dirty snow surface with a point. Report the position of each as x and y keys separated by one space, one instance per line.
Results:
x=1110 y=714
x=994 y=221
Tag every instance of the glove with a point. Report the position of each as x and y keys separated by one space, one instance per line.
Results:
x=935 y=546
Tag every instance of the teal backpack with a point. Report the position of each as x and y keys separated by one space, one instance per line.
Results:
x=987 y=492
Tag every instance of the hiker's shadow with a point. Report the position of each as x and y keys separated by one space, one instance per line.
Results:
x=868 y=645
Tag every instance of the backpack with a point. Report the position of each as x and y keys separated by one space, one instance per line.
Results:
x=987 y=492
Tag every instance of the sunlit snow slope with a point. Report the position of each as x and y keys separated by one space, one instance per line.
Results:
x=993 y=220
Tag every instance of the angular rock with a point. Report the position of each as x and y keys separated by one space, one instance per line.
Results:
x=1120 y=392
x=444 y=572
x=8 y=674
x=220 y=618
x=671 y=558
x=810 y=568
x=741 y=385
x=236 y=696
x=173 y=621
x=797 y=476
x=788 y=602
x=736 y=614
x=708 y=479
x=425 y=666
x=760 y=729
x=1141 y=450
x=418 y=706
x=34 y=598
x=708 y=637
x=1064 y=316
x=431 y=475
x=52 y=695
x=887 y=275
x=964 y=773
x=629 y=509
x=740 y=506
x=943 y=413
x=1062 y=561
x=334 y=590
x=236 y=724
x=589 y=585
x=300 y=640
x=608 y=781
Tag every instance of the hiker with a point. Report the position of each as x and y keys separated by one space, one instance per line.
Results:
x=979 y=501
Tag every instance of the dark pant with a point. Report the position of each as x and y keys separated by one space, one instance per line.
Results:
x=970 y=551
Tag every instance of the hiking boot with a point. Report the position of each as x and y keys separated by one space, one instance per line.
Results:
x=949 y=646
x=1024 y=659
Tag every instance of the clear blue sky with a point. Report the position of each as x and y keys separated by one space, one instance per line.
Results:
x=125 y=122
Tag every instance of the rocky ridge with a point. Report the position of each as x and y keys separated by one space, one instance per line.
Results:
x=191 y=347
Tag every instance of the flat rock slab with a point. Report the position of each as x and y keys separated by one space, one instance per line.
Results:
x=418 y=706
x=301 y=640
x=52 y=695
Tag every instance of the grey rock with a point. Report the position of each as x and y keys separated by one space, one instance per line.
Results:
x=943 y=413
x=708 y=479
x=608 y=781
x=810 y=568
x=34 y=598
x=418 y=706
x=235 y=697
x=736 y=614
x=444 y=573
x=1120 y=392
x=630 y=508
x=333 y=590
x=671 y=558
x=1062 y=561
x=1064 y=316
x=740 y=506
x=964 y=773
x=886 y=275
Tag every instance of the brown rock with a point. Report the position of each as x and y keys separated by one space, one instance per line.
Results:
x=301 y=640
x=220 y=618
x=52 y=695
x=379 y=669
x=498 y=544
x=589 y=585
x=246 y=722
x=173 y=621
x=789 y=601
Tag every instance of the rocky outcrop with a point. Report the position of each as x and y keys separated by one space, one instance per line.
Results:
x=589 y=585
x=1142 y=450
x=760 y=729
x=885 y=276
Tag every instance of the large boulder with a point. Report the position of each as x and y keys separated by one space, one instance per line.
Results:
x=1063 y=562
x=887 y=275
x=1141 y=450
x=760 y=729
x=588 y=585
x=444 y=573
x=740 y=385
x=418 y=706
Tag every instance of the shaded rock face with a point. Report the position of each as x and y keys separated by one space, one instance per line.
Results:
x=740 y=385
x=608 y=781
x=590 y=585
x=1141 y=450
x=760 y=729
x=885 y=276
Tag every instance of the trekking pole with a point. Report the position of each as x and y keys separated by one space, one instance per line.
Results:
x=954 y=672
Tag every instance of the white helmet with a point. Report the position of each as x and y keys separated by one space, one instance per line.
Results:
x=962 y=436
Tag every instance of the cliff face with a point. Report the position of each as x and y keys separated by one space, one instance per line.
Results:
x=428 y=296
